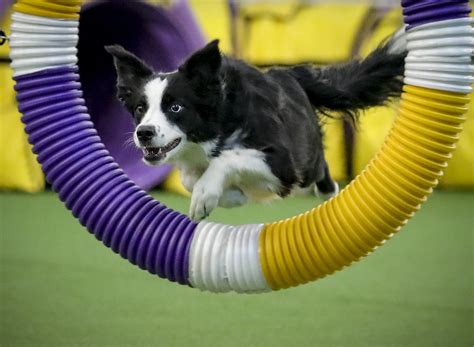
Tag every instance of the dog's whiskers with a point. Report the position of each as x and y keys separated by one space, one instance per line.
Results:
x=129 y=142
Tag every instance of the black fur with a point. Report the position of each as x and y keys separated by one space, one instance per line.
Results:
x=132 y=74
x=355 y=86
x=197 y=86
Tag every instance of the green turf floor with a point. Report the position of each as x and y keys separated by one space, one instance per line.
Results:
x=60 y=287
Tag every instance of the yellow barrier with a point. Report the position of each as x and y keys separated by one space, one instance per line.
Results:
x=18 y=166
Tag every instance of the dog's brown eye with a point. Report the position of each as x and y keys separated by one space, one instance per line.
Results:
x=176 y=108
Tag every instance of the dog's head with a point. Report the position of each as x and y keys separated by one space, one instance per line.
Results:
x=170 y=110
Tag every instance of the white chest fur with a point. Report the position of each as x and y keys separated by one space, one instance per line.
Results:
x=237 y=174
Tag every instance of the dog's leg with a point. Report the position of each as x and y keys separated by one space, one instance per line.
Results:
x=326 y=187
x=233 y=197
x=207 y=191
x=189 y=177
x=225 y=171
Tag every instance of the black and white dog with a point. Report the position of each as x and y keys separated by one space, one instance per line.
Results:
x=237 y=133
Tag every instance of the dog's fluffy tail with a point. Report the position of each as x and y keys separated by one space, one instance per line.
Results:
x=359 y=84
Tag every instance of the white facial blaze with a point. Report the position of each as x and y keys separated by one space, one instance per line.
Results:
x=165 y=130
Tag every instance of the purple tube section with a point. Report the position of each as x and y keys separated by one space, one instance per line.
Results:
x=423 y=12
x=91 y=183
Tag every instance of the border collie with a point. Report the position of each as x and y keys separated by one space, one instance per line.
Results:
x=237 y=133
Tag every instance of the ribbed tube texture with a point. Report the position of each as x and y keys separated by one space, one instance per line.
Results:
x=91 y=184
x=404 y=172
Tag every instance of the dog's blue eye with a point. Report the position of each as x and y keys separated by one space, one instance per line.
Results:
x=176 y=108
x=139 y=110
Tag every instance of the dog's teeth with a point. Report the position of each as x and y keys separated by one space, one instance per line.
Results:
x=160 y=151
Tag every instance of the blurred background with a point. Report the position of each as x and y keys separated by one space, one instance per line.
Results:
x=60 y=287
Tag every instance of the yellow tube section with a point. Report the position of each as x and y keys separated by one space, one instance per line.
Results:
x=59 y=9
x=377 y=203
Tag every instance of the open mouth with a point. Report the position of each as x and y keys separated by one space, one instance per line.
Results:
x=159 y=153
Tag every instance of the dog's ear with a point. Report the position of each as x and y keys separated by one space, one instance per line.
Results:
x=131 y=71
x=204 y=63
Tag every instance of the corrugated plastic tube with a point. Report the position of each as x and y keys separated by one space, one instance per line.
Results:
x=256 y=257
x=401 y=176
x=377 y=203
x=92 y=186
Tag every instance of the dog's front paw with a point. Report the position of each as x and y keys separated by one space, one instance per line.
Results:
x=203 y=201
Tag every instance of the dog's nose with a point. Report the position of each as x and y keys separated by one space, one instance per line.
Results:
x=145 y=133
